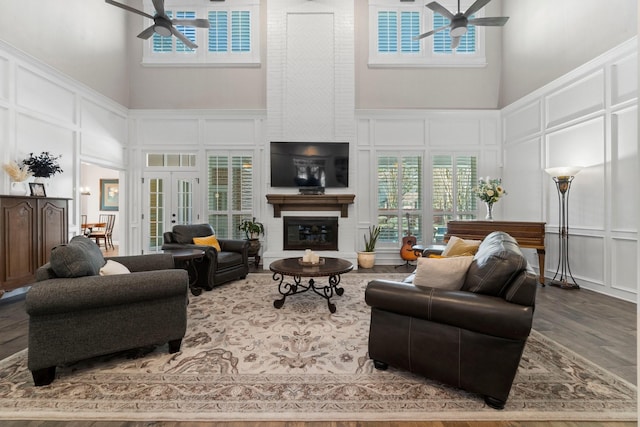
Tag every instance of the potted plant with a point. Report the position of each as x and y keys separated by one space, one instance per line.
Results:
x=252 y=230
x=44 y=165
x=367 y=258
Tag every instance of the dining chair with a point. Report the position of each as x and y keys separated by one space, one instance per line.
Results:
x=100 y=233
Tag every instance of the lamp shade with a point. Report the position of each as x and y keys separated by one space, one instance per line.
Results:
x=563 y=171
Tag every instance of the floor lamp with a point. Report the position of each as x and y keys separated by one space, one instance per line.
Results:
x=563 y=176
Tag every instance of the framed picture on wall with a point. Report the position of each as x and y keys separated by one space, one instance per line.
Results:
x=109 y=191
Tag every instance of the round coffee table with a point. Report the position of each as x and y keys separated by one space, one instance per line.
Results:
x=329 y=267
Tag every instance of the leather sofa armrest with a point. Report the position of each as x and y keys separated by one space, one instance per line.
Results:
x=234 y=245
x=475 y=312
x=167 y=236
x=92 y=292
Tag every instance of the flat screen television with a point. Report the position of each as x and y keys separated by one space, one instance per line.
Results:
x=310 y=164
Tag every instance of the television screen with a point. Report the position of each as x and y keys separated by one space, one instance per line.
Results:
x=310 y=164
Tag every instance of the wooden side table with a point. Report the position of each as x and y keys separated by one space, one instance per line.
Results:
x=187 y=258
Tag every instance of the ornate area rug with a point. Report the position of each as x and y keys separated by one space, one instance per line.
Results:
x=242 y=359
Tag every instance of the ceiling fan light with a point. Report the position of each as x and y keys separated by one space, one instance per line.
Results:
x=162 y=28
x=458 y=29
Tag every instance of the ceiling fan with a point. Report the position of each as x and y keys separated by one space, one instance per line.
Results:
x=460 y=20
x=162 y=24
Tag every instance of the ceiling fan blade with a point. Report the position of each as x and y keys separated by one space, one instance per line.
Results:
x=437 y=7
x=158 y=5
x=200 y=23
x=489 y=22
x=479 y=4
x=129 y=8
x=145 y=34
x=428 y=33
x=183 y=38
x=455 y=41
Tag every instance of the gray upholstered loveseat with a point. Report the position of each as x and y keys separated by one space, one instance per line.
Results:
x=217 y=267
x=472 y=337
x=83 y=314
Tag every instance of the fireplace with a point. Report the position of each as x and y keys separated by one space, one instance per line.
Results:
x=310 y=232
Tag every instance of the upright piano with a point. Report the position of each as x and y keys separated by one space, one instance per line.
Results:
x=527 y=234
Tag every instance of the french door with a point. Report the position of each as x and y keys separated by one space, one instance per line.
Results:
x=170 y=198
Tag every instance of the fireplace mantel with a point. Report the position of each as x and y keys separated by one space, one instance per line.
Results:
x=310 y=202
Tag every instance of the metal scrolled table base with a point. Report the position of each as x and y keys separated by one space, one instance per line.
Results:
x=327 y=292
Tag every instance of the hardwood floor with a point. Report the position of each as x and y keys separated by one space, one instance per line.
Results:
x=600 y=328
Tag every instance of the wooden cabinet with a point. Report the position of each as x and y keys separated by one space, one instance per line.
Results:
x=29 y=228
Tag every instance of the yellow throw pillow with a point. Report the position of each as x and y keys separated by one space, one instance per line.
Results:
x=460 y=247
x=443 y=273
x=208 y=241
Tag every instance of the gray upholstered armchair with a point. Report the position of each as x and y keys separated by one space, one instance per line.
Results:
x=218 y=267
x=75 y=313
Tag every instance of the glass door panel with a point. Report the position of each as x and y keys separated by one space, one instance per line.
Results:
x=170 y=198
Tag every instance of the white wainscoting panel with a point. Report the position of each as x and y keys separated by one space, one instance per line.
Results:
x=590 y=117
x=4 y=78
x=37 y=93
x=624 y=254
x=624 y=79
x=40 y=136
x=448 y=132
x=522 y=122
x=229 y=131
x=103 y=133
x=169 y=132
x=624 y=170
x=520 y=168
x=399 y=132
x=586 y=257
x=580 y=98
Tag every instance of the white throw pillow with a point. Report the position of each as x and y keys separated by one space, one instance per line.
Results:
x=443 y=273
x=112 y=267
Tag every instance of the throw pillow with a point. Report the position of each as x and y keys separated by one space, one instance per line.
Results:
x=112 y=267
x=80 y=257
x=443 y=273
x=208 y=241
x=460 y=247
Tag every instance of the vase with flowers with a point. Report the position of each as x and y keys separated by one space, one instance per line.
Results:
x=489 y=190
x=18 y=174
x=43 y=165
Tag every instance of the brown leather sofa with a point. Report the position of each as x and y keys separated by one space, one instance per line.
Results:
x=231 y=263
x=472 y=338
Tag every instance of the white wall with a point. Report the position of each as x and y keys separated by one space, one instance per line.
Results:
x=545 y=39
x=586 y=118
x=44 y=110
x=86 y=40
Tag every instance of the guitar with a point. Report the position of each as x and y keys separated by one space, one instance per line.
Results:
x=408 y=242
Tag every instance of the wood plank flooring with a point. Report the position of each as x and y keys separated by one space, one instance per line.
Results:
x=600 y=328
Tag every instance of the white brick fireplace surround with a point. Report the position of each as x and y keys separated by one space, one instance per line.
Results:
x=311 y=97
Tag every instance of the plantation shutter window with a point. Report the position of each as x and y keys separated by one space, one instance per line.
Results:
x=231 y=39
x=399 y=197
x=452 y=177
x=393 y=26
x=218 y=39
x=240 y=31
x=230 y=193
